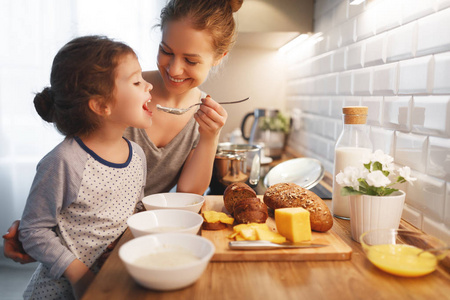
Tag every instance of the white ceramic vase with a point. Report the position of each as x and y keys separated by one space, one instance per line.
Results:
x=375 y=212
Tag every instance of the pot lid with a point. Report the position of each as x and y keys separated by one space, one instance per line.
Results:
x=305 y=172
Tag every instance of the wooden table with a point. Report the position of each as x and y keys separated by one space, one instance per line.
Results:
x=356 y=278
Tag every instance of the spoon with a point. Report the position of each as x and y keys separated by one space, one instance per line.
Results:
x=180 y=111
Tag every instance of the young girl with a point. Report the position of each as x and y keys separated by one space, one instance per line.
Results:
x=87 y=186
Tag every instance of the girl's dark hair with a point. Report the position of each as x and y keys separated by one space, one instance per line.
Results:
x=214 y=16
x=84 y=68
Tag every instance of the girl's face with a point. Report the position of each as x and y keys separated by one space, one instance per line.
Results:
x=131 y=94
x=185 y=56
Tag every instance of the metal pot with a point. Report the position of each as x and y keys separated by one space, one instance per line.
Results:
x=237 y=163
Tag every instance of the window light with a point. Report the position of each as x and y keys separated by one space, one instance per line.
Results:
x=356 y=2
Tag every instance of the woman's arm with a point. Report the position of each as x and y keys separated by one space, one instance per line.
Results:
x=197 y=171
x=79 y=276
x=12 y=247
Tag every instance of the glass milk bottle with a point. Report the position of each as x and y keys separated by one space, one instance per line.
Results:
x=351 y=146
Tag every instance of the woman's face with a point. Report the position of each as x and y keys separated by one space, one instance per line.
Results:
x=185 y=56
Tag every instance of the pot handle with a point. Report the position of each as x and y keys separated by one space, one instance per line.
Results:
x=243 y=125
x=255 y=170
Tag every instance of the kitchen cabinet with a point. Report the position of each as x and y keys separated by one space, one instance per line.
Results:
x=270 y=24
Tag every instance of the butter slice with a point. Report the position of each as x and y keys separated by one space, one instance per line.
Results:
x=293 y=223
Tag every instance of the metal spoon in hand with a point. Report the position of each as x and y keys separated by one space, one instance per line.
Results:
x=180 y=111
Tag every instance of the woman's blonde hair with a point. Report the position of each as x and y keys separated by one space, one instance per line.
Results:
x=214 y=16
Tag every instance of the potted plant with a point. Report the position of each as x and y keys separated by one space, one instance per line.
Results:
x=374 y=201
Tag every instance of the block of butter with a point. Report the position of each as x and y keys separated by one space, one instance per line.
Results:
x=293 y=223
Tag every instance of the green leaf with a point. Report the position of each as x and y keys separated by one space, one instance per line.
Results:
x=388 y=191
x=367 y=166
x=348 y=191
x=377 y=166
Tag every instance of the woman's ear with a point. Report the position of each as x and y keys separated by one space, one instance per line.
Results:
x=97 y=105
x=220 y=59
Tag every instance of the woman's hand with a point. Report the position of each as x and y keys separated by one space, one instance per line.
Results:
x=197 y=170
x=12 y=247
x=210 y=117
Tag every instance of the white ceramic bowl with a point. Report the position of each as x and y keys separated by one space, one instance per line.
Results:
x=184 y=201
x=167 y=277
x=164 y=220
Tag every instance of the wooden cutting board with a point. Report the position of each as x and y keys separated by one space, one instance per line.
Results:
x=337 y=249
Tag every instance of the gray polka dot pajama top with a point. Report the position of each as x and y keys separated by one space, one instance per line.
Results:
x=78 y=204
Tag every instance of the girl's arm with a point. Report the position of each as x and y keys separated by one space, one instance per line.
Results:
x=197 y=170
x=54 y=188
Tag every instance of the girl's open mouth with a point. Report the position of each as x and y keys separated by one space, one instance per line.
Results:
x=146 y=106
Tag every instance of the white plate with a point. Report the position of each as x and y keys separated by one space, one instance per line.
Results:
x=306 y=172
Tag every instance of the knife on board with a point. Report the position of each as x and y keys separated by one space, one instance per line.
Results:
x=266 y=245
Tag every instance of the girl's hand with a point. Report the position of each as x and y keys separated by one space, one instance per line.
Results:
x=12 y=247
x=210 y=117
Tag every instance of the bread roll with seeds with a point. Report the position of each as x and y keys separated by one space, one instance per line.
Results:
x=283 y=195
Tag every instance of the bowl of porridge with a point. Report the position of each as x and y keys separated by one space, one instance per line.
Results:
x=183 y=201
x=166 y=261
x=164 y=220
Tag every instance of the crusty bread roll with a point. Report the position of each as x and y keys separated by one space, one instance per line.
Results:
x=250 y=210
x=283 y=195
x=236 y=192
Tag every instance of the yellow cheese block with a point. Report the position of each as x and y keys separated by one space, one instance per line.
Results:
x=293 y=223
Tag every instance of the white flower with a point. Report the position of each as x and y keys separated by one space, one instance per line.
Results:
x=405 y=172
x=373 y=177
x=377 y=179
x=350 y=176
x=367 y=158
x=382 y=158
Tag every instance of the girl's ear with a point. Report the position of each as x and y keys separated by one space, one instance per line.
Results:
x=97 y=105
x=220 y=59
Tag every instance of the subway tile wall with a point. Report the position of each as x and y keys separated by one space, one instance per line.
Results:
x=394 y=57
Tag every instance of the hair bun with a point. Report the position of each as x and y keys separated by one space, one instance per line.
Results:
x=236 y=5
x=44 y=104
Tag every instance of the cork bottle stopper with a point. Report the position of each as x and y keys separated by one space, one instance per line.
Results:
x=355 y=114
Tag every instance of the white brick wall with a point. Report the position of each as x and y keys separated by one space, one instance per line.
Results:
x=394 y=57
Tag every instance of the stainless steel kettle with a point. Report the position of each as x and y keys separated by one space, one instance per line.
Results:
x=273 y=140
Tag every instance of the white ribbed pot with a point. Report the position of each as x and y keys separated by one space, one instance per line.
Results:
x=375 y=212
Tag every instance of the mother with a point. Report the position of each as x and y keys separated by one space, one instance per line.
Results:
x=180 y=149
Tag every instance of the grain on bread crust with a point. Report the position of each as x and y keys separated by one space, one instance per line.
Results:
x=283 y=195
x=250 y=210
x=236 y=192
